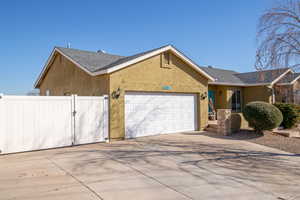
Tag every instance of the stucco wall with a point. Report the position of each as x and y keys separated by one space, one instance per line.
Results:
x=64 y=77
x=150 y=76
x=257 y=93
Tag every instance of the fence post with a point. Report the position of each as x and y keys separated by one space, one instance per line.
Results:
x=106 y=118
x=73 y=113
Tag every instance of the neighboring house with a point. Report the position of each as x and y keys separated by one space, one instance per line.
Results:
x=287 y=90
x=158 y=91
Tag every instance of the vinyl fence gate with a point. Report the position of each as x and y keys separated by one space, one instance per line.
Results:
x=40 y=122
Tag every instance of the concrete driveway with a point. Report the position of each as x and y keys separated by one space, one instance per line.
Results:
x=175 y=166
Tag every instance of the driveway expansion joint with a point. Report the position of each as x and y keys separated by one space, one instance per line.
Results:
x=76 y=179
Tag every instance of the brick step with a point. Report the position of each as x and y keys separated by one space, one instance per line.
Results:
x=215 y=126
x=210 y=129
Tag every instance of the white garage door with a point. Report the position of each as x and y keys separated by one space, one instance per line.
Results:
x=158 y=113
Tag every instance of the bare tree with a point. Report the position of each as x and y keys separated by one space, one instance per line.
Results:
x=34 y=92
x=279 y=37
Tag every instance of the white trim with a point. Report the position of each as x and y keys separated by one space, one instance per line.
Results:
x=44 y=68
x=130 y=62
x=148 y=55
x=281 y=76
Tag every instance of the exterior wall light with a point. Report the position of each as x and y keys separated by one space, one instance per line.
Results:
x=203 y=96
x=116 y=94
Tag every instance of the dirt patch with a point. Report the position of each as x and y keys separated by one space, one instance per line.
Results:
x=269 y=139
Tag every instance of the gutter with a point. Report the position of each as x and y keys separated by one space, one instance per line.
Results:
x=238 y=84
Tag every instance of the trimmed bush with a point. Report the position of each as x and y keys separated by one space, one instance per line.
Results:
x=262 y=116
x=290 y=113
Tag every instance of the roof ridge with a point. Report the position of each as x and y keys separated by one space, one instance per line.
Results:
x=284 y=68
x=218 y=69
x=88 y=51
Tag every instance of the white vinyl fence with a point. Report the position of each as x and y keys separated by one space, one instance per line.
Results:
x=40 y=122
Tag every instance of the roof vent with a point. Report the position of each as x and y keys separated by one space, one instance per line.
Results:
x=209 y=66
x=101 y=51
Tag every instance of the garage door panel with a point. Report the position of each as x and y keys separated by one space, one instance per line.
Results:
x=157 y=113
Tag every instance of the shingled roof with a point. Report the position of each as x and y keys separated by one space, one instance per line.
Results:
x=223 y=75
x=96 y=61
x=249 y=78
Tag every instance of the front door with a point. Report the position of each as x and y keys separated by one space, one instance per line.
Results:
x=211 y=101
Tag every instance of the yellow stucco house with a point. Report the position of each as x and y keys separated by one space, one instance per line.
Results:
x=158 y=91
x=153 y=92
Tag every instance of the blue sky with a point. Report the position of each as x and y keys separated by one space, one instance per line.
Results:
x=220 y=33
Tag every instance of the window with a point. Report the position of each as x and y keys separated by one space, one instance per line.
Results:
x=47 y=92
x=236 y=101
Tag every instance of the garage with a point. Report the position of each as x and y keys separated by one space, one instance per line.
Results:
x=165 y=91
x=157 y=113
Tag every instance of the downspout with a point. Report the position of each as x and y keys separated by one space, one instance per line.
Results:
x=273 y=94
x=271 y=87
x=108 y=140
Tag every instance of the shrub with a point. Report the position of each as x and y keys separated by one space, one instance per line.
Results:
x=262 y=116
x=290 y=113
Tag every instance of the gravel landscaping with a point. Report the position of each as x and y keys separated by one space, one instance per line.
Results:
x=269 y=139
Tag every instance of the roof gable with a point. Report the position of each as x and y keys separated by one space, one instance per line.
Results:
x=290 y=78
x=267 y=76
x=95 y=63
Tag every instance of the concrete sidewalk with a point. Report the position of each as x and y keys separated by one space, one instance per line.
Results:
x=175 y=166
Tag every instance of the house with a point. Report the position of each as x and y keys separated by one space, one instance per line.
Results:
x=287 y=90
x=157 y=91
x=161 y=90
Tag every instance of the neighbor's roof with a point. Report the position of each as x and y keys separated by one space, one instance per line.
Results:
x=289 y=78
x=266 y=76
x=229 y=77
x=96 y=63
